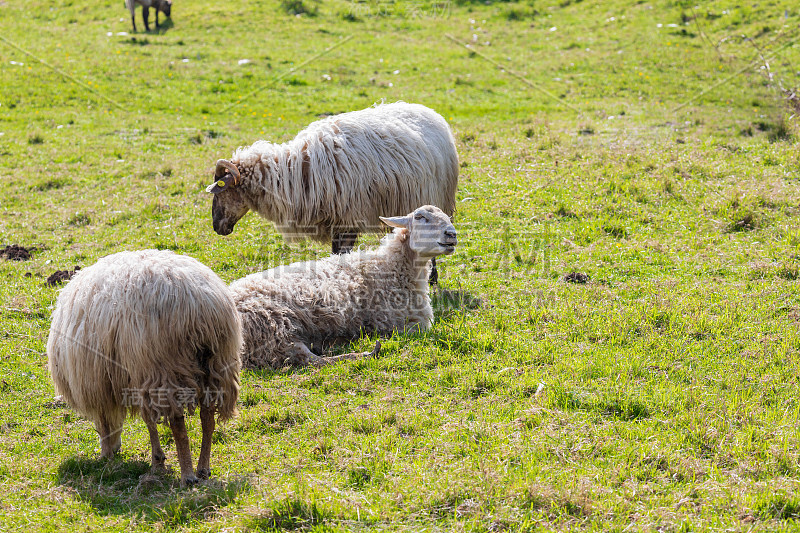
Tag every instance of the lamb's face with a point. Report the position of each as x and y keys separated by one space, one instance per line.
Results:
x=226 y=210
x=166 y=7
x=430 y=231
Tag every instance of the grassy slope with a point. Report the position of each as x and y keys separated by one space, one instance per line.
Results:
x=669 y=392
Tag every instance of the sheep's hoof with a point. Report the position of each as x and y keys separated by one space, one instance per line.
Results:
x=204 y=473
x=190 y=481
x=110 y=454
x=375 y=351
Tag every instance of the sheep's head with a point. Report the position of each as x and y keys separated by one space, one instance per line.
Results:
x=229 y=203
x=166 y=7
x=430 y=231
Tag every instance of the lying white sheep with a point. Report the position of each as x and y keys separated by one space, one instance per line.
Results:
x=334 y=179
x=287 y=310
x=148 y=332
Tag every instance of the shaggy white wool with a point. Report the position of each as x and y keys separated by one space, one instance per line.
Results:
x=152 y=324
x=342 y=172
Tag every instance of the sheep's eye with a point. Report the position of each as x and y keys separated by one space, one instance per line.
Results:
x=419 y=217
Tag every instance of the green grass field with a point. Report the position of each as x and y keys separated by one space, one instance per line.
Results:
x=651 y=146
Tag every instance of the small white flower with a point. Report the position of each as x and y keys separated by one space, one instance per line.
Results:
x=326 y=77
x=244 y=61
x=553 y=28
x=109 y=34
x=396 y=72
x=185 y=60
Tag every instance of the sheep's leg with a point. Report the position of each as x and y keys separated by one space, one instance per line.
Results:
x=157 y=456
x=109 y=427
x=207 y=421
x=178 y=425
x=131 y=7
x=433 y=279
x=324 y=361
x=343 y=243
x=156 y=10
x=146 y=17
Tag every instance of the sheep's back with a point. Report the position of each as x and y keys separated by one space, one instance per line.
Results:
x=383 y=161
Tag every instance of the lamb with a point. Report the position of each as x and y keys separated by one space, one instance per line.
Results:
x=164 y=6
x=334 y=179
x=288 y=310
x=151 y=333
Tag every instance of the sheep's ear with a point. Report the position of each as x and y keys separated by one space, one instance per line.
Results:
x=227 y=175
x=397 y=222
x=220 y=185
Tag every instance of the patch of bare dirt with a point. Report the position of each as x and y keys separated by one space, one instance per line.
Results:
x=577 y=277
x=15 y=252
x=60 y=276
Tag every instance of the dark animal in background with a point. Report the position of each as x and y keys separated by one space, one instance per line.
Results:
x=165 y=6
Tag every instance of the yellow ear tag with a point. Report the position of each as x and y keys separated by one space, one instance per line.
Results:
x=220 y=183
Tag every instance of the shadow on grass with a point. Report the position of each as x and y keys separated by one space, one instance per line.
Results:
x=140 y=37
x=289 y=514
x=626 y=408
x=446 y=302
x=164 y=26
x=125 y=487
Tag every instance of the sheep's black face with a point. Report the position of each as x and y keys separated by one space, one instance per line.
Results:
x=166 y=8
x=226 y=210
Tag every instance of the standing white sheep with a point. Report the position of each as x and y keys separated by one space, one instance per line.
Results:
x=153 y=333
x=334 y=179
x=289 y=309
